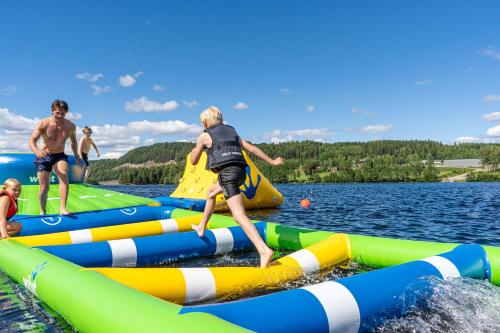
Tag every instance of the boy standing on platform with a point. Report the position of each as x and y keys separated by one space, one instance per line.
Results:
x=84 y=147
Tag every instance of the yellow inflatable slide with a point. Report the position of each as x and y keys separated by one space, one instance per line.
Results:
x=257 y=191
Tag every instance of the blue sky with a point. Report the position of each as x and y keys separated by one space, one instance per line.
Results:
x=140 y=72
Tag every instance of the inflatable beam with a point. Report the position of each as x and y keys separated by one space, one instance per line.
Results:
x=349 y=304
x=49 y=224
x=143 y=251
x=130 y=230
x=257 y=191
x=188 y=285
x=93 y=303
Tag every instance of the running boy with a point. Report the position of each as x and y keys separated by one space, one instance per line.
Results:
x=223 y=147
x=54 y=131
x=8 y=207
x=84 y=147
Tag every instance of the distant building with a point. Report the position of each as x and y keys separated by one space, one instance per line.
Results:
x=465 y=163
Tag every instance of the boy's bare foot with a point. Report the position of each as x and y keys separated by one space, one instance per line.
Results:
x=199 y=230
x=65 y=212
x=266 y=258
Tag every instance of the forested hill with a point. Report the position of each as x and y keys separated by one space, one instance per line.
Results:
x=306 y=161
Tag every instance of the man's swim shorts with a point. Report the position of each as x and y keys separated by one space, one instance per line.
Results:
x=46 y=163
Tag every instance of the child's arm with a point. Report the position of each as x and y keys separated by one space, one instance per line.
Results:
x=95 y=147
x=203 y=140
x=4 y=207
x=260 y=154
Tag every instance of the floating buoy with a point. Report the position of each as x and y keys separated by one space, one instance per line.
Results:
x=305 y=203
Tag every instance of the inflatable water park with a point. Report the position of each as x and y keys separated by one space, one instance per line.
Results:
x=104 y=267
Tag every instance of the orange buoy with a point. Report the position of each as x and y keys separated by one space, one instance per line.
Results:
x=305 y=203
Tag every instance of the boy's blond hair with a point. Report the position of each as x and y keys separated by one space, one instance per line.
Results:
x=10 y=183
x=212 y=116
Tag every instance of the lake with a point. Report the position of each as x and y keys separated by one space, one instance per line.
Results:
x=444 y=212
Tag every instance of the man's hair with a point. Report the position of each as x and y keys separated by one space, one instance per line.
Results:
x=212 y=116
x=87 y=129
x=10 y=182
x=59 y=104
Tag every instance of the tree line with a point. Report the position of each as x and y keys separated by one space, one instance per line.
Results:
x=309 y=161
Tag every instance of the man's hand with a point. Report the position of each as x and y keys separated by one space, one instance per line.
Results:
x=79 y=161
x=278 y=161
x=40 y=153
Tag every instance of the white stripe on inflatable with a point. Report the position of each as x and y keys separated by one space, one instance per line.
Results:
x=224 y=239
x=80 y=236
x=169 y=226
x=200 y=284
x=339 y=304
x=307 y=260
x=444 y=266
x=124 y=252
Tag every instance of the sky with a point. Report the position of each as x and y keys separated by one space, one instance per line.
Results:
x=140 y=72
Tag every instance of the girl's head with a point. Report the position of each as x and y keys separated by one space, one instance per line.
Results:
x=211 y=116
x=13 y=186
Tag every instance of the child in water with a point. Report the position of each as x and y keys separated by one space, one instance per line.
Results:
x=84 y=147
x=223 y=147
x=8 y=207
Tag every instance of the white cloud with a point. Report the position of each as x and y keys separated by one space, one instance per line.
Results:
x=492 y=116
x=278 y=135
x=240 y=106
x=89 y=77
x=473 y=139
x=370 y=129
x=491 y=98
x=129 y=80
x=143 y=104
x=149 y=141
x=490 y=52
x=157 y=87
x=73 y=116
x=285 y=91
x=112 y=155
x=363 y=112
x=425 y=82
x=98 y=90
x=494 y=131
x=310 y=108
x=10 y=90
x=190 y=104
x=13 y=122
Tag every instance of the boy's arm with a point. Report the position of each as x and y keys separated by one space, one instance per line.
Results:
x=260 y=154
x=4 y=207
x=37 y=133
x=95 y=147
x=198 y=149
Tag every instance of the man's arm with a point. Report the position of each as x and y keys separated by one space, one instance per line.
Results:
x=198 y=149
x=37 y=133
x=74 y=145
x=260 y=154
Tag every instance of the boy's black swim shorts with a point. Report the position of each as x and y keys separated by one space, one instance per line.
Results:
x=231 y=177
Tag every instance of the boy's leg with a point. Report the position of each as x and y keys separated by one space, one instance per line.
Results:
x=87 y=173
x=212 y=192
x=61 y=170
x=235 y=204
x=44 y=181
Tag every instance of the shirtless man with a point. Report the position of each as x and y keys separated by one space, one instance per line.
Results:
x=84 y=147
x=54 y=131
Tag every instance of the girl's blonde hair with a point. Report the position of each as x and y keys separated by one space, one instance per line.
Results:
x=212 y=116
x=10 y=183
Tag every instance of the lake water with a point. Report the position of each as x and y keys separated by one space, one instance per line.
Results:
x=444 y=212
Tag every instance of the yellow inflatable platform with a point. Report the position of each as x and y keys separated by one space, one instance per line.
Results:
x=257 y=191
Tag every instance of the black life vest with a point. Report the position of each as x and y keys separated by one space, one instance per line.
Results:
x=225 y=148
